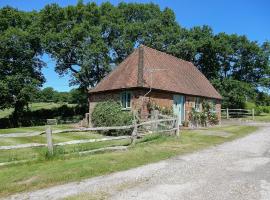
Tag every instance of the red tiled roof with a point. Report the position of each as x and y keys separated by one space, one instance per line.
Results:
x=160 y=71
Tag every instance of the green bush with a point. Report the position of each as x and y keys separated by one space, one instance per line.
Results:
x=250 y=105
x=39 y=117
x=265 y=109
x=258 y=109
x=110 y=113
x=205 y=116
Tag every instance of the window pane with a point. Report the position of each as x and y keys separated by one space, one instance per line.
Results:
x=123 y=99
x=213 y=105
x=197 y=104
x=128 y=99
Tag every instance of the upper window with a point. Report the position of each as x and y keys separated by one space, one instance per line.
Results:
x=125 y=100
x=197 y=103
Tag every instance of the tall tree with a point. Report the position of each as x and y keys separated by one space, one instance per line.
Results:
x=20 y=66
x=87 y=39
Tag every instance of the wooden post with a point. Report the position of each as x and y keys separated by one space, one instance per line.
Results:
x=177 y=127
x=49 y=139
x=87 y=119
x=155 y=117
x=227 y=113
x=134 y=132
x=253 y=114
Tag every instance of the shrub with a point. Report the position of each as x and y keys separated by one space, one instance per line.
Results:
x=205 y=116
x=151 y=105
x=110 y=113
x=39 y=117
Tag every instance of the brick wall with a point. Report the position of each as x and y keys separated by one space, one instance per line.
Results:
x=190 y=103
x=139 y=102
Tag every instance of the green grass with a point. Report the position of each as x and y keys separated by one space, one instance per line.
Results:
x=34 y=128
x=58 y=137
x=35 y=106
x=62 y=169
x=40 y=152
x=263 y=117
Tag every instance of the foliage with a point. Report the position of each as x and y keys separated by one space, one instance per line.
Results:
x=205 y=117
x=163 y=110
x=78 y=96
x=258 y=108
x=89 y=39
x=20 y=66
x=74 y=96
x=40 y=116
x=110 y=113
x=235 y=93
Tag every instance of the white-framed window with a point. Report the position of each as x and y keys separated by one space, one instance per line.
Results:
x=126 y=100
x=213 y=105
x=197 y=103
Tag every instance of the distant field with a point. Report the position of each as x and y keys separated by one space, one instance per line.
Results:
x=35 y=106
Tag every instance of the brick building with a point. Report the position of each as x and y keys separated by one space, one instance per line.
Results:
x=148 y=76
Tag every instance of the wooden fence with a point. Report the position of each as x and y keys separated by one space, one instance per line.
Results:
x=237 y=113
x=154 y=123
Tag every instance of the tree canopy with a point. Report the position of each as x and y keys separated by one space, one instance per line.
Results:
x=20 y=66
x=88 y=40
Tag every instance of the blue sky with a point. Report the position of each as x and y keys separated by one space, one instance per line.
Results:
x=244 y=17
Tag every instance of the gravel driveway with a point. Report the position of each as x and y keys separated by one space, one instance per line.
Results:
x=234 y=170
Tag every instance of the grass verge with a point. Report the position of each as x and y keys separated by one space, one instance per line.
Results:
x=44 y=173
x=34 y=129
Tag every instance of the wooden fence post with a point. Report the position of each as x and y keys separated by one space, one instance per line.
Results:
x=177 y=127
x=154 y=117
x=134 y=132
x=49 y=139
x=253 y=114
x=227 y=113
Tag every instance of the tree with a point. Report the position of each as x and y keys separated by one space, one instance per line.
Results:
x=235 y=93
x=20 y=69
x=78 y=96
x=47 y=94
x=87 y=39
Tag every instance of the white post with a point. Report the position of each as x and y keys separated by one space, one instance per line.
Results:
x=49 y=139
x=253 y=114
x=227 y=113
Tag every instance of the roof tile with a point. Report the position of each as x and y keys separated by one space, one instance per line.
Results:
x=161 y=71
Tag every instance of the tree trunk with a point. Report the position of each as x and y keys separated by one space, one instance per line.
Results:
x=17 y=113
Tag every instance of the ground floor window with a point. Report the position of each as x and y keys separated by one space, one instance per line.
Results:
x=213 y=105
x=126 y=99
x=197 y=103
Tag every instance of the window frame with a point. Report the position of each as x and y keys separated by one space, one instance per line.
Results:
x=125 y=98
x=213 y=106
x=197 y=105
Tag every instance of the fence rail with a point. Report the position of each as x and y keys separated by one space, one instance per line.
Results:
x=158 y=123
x=237 y=112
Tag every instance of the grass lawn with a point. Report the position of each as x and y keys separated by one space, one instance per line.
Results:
x=62 y=169
x=58 y=137
x=265 y=117
x=34 y=128
x=35 y=106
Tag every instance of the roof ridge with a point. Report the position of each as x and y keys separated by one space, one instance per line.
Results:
x=115 y=69
x=144 y=46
